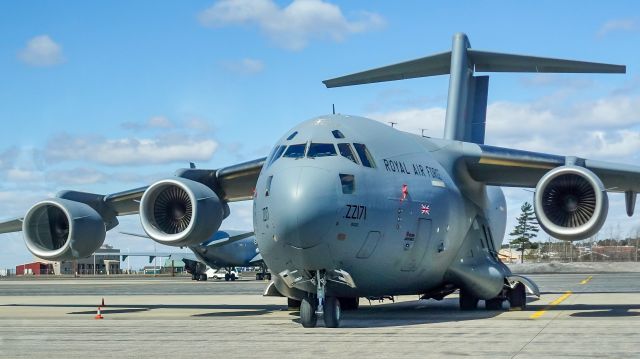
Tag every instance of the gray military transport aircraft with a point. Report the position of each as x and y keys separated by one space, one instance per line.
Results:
x=224 y=249
x=347 y=207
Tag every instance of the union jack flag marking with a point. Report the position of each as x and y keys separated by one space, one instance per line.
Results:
x=425 y=209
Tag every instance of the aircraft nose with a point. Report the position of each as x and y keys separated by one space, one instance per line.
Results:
x=303 y=205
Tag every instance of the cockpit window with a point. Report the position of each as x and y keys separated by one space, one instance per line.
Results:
x=346 y=151
x=291 y=136
x=365 y=156
x=295 y=151
x=276 y=154
x=321 y=150
x=337 y=134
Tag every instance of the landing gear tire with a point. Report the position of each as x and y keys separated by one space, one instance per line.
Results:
x=349 y=303
x=267 y=276
x=493 y=304
x=293 y=304
x=468 y=301
x=308 y=316
x=518 y=296
x=227 y=277
x=259 y=276
x=193 y=276
x=232 y=277
x=332 y=312
x=202 y=277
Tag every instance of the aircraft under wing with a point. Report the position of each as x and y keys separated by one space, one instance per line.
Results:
x=515 y=168
x=219 y=239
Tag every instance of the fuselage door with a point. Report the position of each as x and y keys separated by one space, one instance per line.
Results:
x=415 y=246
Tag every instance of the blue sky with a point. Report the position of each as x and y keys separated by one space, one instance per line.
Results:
x=103 y=96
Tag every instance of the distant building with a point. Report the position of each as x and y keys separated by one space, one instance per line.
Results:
x=107 y=262
x=177 y=265
x=508 y=255
x=34 y=268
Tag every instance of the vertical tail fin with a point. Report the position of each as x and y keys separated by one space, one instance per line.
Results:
x=467 y=101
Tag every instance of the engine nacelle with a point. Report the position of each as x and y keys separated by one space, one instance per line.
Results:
x=180 y=212
x=58 y=229
x=571 y=203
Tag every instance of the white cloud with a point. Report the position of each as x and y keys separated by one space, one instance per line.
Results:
x=23 y=175
x=618 y=25
x=291 y=26
x=8 y=157
x=155 y=122
x=414 y=120
x=41 y=51
x=77 y=176
x=129 y=151
x=244 y=66
x=197 y=124
x=604 y=128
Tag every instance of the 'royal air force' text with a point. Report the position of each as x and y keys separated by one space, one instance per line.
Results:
x=418 y=169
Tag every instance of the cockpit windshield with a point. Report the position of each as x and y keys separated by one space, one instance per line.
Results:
x=347 y=151
x=276 y=154
x=321 y=150
x=295 y=151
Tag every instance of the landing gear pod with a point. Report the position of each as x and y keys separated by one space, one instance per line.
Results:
x=180 y=212
x=58 y=229
x=571 y=203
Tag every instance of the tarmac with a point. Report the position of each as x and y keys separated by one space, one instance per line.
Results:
x=580 y=315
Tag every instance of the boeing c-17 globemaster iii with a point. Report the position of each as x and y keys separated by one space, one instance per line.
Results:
x=347 y=207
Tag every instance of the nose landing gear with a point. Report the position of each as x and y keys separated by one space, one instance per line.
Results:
x=314 y=305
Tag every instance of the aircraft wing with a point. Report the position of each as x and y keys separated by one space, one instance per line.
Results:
x=233 y=183
x=12 y=225
x=515 y=168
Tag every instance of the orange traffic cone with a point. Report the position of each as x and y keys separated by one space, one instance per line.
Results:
x=99 y=315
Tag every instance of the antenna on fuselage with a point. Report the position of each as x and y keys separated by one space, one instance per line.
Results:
x=467 y=100
x=393 y=123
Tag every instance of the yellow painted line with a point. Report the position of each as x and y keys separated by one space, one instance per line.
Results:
x=540 y=313
x=586 y=280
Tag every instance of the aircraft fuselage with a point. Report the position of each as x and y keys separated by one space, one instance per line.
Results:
x=394 y=215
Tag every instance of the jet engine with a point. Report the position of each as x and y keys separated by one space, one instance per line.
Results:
x=571 y=203
x=180 y=212
x=58 y=229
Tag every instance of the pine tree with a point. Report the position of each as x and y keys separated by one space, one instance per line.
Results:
x=525 y=230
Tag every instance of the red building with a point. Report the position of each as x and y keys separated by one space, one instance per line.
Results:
x=35 y=268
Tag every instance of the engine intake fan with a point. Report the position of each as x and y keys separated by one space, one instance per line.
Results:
x=59 y=229
x=571 y=203
x=180 y=212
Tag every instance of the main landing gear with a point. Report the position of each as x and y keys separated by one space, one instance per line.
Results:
x=263 y=274
x=517 y=297
x=230 y=275
x=312 y=306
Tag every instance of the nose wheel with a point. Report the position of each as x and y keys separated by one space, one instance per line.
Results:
x=312 y=306
x=308 y=316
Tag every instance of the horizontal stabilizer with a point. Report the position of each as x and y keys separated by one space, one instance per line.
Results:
x=485 y=61
x=426 y=66
x=467 y=100
x=482 y=61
